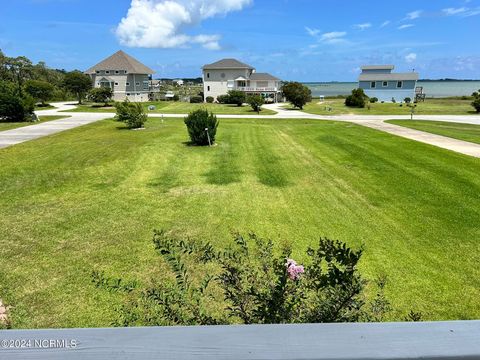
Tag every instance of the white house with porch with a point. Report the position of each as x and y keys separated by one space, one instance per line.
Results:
x=231 y=74
x=127 y=77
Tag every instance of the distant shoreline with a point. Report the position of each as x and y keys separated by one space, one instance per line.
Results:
x=421 y=80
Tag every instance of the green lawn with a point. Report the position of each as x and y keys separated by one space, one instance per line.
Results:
x=169 y=107
x=14 y=125
x=89 y=199
x=429 y=107
x=466 y=132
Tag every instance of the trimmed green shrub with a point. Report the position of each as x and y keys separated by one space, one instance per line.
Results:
x=223 y=99
x=476 y=101
x=407 y=100
x=373 y=100
x=196 y=100
x=256 y=102
x=210 y=99
x=236 y=97
x=297 y=94
x=197 y=122
x=132 y=114
x=356 y=99
x=250 y=282
x=100 y=95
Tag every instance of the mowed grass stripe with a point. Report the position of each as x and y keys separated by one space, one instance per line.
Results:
x=99 y=192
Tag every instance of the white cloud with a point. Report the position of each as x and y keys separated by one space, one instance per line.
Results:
x=362 y=26
x=406 y=26
x=385 y=23
x=454 y=11
x=410 y=58
x=414 y=15
x=312 y=32
x=333 y=37
x=162 y=23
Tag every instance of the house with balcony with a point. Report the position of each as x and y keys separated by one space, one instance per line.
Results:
x=381 y=82
x=127 y=77
x=231 y=74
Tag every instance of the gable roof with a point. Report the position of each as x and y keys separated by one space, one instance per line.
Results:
x=121 y=61
x=227 y=64
x=263 y=76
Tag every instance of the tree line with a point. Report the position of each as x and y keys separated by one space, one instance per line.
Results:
x=25 y=85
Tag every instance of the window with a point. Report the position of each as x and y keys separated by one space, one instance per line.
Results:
x=385 y=84
x=128 y=84
x=128 y=94
x=208 y=88
x=116 y=84
x=399 y=84
x=125 y=71
x=208 y=75
x=117 y=72
x=373 y=85
x=98 y=71
x=107 y=71
x=137 y=84
x=242 y=84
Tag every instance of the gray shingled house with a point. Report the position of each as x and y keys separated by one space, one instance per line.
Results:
x=231 y=74
x=127 y=77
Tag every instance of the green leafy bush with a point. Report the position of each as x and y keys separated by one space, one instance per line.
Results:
x=210 y=99
x=476 y=101
x=356 y=99
x=297 y=94
x=250 y=282
x=373 y=100
x=176 y=98
x=223 y=99
x=256 y=102
x=132 y=114
x=100 y=95
x=13 y=107
x=196 y=100
x=197 y=122
x=407 y=100
x=236 y=97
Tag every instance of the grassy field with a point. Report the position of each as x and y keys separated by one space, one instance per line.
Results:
x=88 y=199
x=14 y=125
x=169 y=107
x=466 y=132
x=429 y=107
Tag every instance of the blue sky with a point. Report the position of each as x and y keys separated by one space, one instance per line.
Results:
x=305 y=40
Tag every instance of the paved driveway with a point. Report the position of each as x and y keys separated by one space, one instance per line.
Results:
x=377 y=122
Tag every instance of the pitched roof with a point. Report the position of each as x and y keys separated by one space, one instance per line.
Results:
x=263 y=76
x=121 y=61
x=228 y=64
x=391 y=77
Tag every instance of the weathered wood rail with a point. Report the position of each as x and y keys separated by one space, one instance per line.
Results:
x=441 y=340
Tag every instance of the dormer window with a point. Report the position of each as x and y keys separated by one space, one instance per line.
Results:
x=117 y=72
x=107 y=71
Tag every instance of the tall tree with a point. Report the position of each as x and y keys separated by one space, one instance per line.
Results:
x=77 y=83
x=39 y=90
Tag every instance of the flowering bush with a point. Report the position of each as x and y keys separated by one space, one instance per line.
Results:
x=250 y=282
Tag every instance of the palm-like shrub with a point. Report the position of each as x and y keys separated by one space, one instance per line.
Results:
x=256 y=102
x=132 y=114
x=202 y=125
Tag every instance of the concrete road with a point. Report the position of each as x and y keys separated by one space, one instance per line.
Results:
x=377 y=122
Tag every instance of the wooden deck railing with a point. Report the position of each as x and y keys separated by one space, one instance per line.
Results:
x=442 y=340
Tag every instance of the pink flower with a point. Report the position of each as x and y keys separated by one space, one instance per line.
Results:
x=293 y=270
